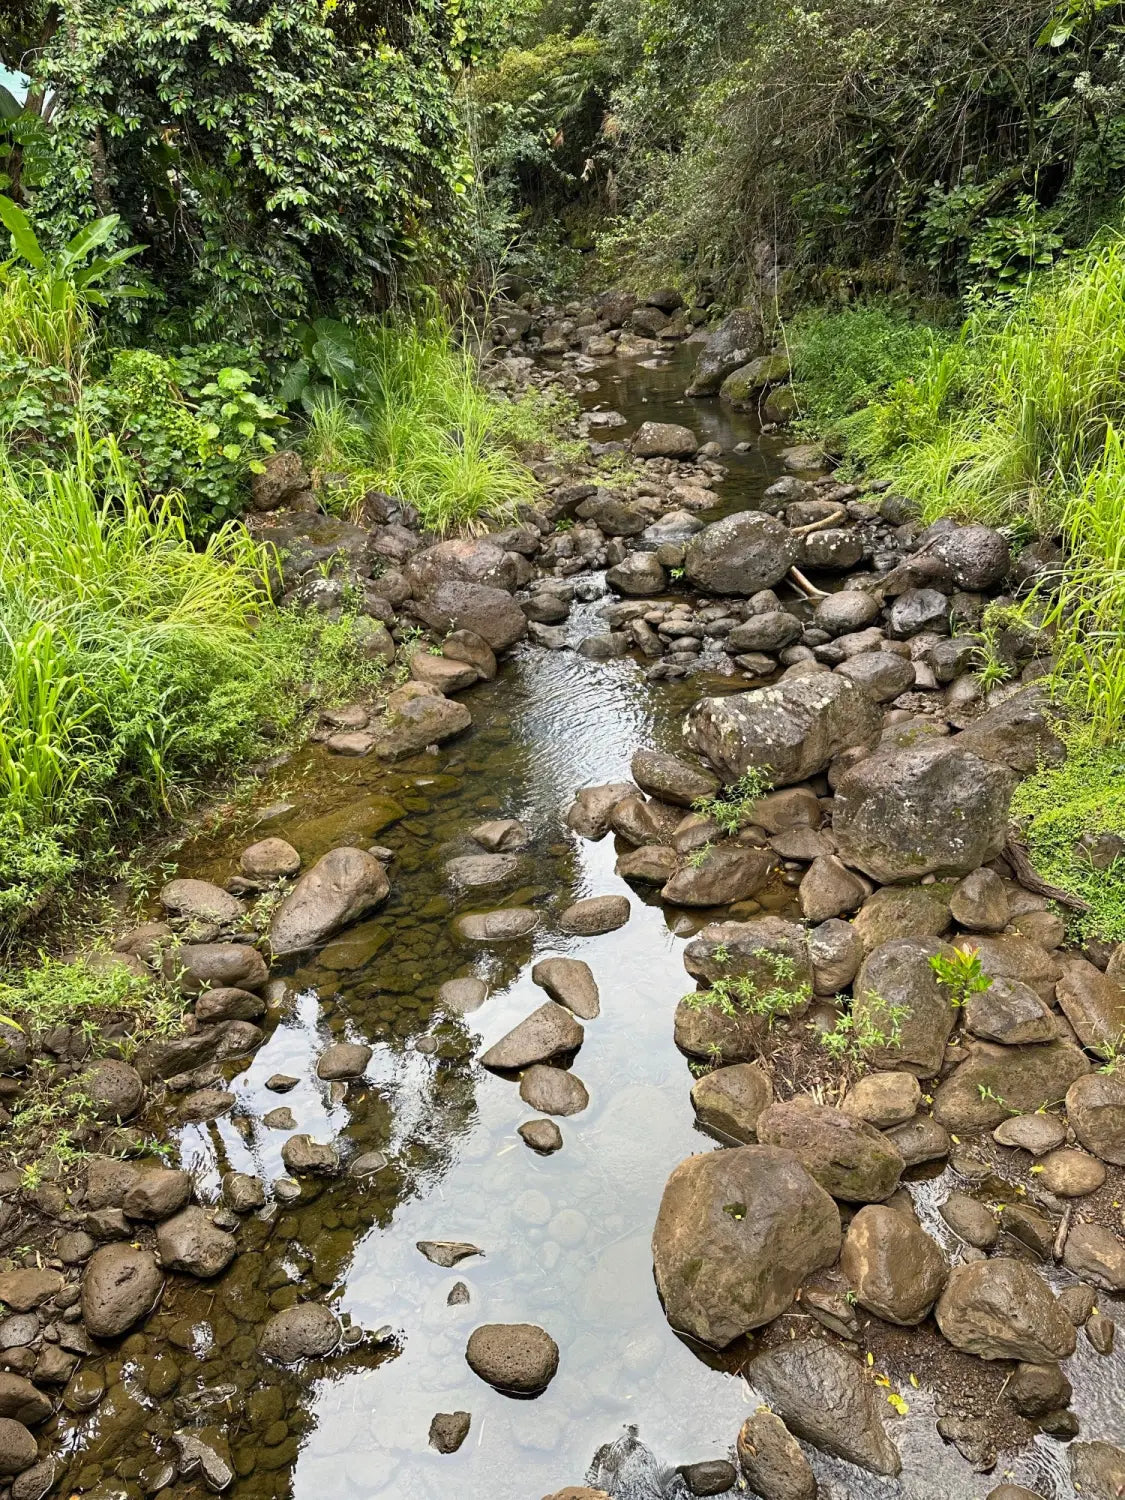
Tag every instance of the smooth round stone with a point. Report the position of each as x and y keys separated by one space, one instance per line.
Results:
x=516 y=1357
x=553 y=1091
x=533 y=1207
x=1071 y=1174
x=1035 y=1133
x=503 y=926
x=595 y=915
x=569 y=1227
x=460 y=996
x=543 y=1136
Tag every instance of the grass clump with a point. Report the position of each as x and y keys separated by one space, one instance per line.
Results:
x=733 y=806
x=742 y=995
x=1058 y=808
x=407 y=414
x=132 y=663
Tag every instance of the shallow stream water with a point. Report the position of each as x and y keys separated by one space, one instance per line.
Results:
x=566 y=1238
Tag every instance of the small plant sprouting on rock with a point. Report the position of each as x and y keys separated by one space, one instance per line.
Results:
x=989 y=1095
x=698 y=857
x=853 y=1036
x=1113 y=1051
x=962 y=975
x=732 y=806
x=742 y=995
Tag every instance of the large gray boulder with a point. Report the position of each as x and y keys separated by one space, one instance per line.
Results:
x=933 y=809
x=340 y=888
x=737 y=1233
x=462 y=560
x=826 y=1397
x=771 y=1460
x=491 y=613
x=849 y=1158
x=729 y=872
x=741 y=554
x=1003 y=1309
x=664 y=440
x=550 y=1031
x=1016 y=733
x=729 y=347
x=760 y=950
x=904 y=1016
x=672 y=779
x=420 y=722
x=792 y=730
x=729 y=1100
x=994 y=1082
x=1095 y=1107
x=977 y=556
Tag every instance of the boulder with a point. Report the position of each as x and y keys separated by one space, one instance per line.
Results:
x=1036 y=1133
x=671 y=778
x=904 y=911
x=770 y=631
x=304 y=1331
x=588 y=815
x=980 y=902
x=501 y=835
x=829 y=889
x=553 y=1091
x=761 y=950
x=741 y=554
x=191 y=1243
x=1003 y=1309
x=1097 y=1470
x=825 y=1397
x=729 y=347
x=156 y=1194
x=1095 y=1107
x=418 y=722
x=120 y=1285
x=1010 y=1013
x=654 y=864
x=343 y=1060
x=970 y=1220
x=1093 y=1004
x=229 y=1003
x=269 y=859
x=570 y=982
x=462 y=996
x=1097 y=1255
x=594 y=915
x=994 y=1082
x=933 y=809
x=489 y=612
x=664 y=440
x=18 y=1448
x=977 y=556
x=642 y=821
x=729 y=1100
x=791 y=730
x=1016 y=733
x=849 y=1158
x=836 y=953
x=745 y=386
x=771 y=1459
x=904 y=1016
x=725 y=873
x=506 y=925
x=20 y=1401
x=302 y=1155
x=114 y=1089
x=737 y=1232
x=881 y=674
x=706 y=1031
x=550 y=1031
x=475 y=560
x=340 y=888
x=920 y=1139
x=516 y=1358
x=894 y=1267
x=200 y=901
x=1071 y=1174
x=883 y=1099
x=282 y=476
x=639 y=576
x=1009 y=956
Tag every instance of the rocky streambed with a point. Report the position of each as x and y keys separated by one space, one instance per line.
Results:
x=442 y=1108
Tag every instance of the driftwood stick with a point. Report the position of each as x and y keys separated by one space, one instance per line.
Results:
x=821 y=525
x=1015 y=852
x=796 y=577
x=1064 y=1230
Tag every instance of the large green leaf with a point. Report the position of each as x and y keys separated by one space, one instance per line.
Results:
x=334 y=352
x=88 y=238
x=18 y=225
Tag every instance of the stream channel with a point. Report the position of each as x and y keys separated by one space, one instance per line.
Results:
x=566 y=1238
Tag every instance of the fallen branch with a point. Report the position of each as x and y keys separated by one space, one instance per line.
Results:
x=821 y=525
x=1015 y=852
x=1064 y=1230
x=797 y=578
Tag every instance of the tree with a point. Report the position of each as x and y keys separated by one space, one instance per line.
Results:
x=274 y=155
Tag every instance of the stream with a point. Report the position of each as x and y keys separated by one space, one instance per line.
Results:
x=566 y=1238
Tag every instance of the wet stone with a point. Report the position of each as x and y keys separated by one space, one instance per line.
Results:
x=448 y=1253
x=458 y=1295
x=714 y=1476
x=157 y=1194
x=281 y=1083
x=503 y=926
x=206 y=1104
x=543 y=1136
x=970 y=1220
x=501 y=835
x=448 y=1430
x=553 y=1091
x=306 y=1331
x=367 y=1164
x=301 y=1154
x=595 y=915
x=242 y=1192
x=1071 y=1174
x=191 y=1243
x=515 y=1358
x=22 y=1401
x=1100 y=1331
x=197 y=1457
x=571 y=983
x=550 y=1031
x=344 y=1060
x=281 y=1118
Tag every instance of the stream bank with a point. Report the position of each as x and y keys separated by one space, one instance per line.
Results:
x=566 y=1237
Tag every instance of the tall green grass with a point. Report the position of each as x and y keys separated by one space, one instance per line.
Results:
x=422 y=427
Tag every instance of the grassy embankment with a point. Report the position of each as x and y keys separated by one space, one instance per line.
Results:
x=1016 y=419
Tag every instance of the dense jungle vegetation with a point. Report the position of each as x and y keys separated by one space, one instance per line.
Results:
x=241 y=226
